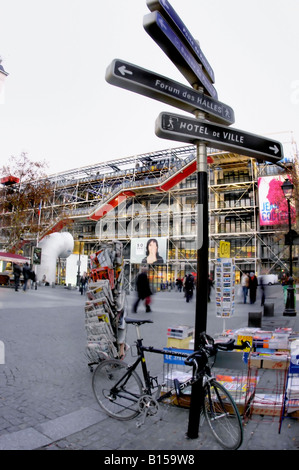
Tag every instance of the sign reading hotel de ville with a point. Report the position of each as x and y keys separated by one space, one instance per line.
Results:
x=184 y=129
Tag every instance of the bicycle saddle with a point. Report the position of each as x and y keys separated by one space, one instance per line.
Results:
x=136 y=321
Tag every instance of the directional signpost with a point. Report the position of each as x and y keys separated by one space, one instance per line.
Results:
x=172 y=36
x=184 y=129
x=147 y=83
x=158 y=28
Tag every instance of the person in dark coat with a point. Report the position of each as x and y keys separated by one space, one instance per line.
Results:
x=26 y=274
x=17 y=274
x=263 y=289
x=32 y=277
x=189 y=286
x=210 y=286
x=83 y=283
x=252 y=287
x=143 y=291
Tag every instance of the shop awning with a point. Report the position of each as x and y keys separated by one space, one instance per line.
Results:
x=12 y=257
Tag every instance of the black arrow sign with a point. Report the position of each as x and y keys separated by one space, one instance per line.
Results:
x=183 y=129
x=147 y=83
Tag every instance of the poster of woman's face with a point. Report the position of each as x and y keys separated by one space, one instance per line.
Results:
x=148 y=250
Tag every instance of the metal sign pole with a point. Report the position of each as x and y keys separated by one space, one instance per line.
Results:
x=201 y=280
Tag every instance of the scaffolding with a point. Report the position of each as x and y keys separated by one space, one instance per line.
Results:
x=155 y=194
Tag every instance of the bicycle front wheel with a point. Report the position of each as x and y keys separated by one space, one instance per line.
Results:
x=117 y=392
x=222 y=415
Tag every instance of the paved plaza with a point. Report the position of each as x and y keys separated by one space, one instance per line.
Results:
x=46 y=398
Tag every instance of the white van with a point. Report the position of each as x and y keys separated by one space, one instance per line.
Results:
x=268 y=279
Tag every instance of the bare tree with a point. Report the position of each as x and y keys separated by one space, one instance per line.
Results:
x=20 y=201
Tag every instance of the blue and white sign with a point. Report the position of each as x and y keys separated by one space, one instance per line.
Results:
x=170 y=359
x=166 y=10
x=160 y=31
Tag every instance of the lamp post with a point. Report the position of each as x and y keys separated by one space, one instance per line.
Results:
x=80 y=237
x=287 y=188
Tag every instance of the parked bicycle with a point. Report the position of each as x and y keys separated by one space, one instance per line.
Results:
x=123 y=395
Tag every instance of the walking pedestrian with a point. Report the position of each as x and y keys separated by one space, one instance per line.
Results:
x=210 y=285
x=26 y=274
x=32 y=277
x=143 y=290
x=83 y=283
x=17 y=274
x=263 y=289
x=252 y=287
x=179 y=284
x=245 y=286
x=189 y=286
x=184 y=285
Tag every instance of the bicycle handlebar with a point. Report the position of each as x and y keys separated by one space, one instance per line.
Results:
x=210 y=348
x=230 y=345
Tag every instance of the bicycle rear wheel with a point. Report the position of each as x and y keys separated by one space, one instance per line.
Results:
x=117 y=393
x=222 y=415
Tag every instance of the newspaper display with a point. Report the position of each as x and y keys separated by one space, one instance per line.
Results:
x=105 y=307
x=225 y=287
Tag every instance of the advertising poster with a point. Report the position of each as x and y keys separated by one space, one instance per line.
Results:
x=273 y=206
x=149 y=250
x=36 y=255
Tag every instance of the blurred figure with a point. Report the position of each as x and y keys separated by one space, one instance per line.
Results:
x=143 y=291
x=189 y=286
x=263 y=289
x=245 y=286
x=179 y=284
x=83 y=283
x=17 y=274
x=32 y=277
x=26 y=274
x=210 y=285
x=252 y=287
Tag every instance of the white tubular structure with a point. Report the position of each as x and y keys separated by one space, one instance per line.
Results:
x=53 y=246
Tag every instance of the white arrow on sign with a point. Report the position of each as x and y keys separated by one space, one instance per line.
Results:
x=275 y=149
x=162 y=24
x=124 y=71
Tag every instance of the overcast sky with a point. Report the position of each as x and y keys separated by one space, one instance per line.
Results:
x=58 y=107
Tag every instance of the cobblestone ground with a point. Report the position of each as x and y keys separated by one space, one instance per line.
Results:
x=46 y=398
x=45 y=373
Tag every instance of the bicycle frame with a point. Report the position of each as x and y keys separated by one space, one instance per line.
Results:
x=147 y=378
x=131 y=396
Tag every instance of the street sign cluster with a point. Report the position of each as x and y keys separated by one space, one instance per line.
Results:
x=172 y=36
x=170 y=33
